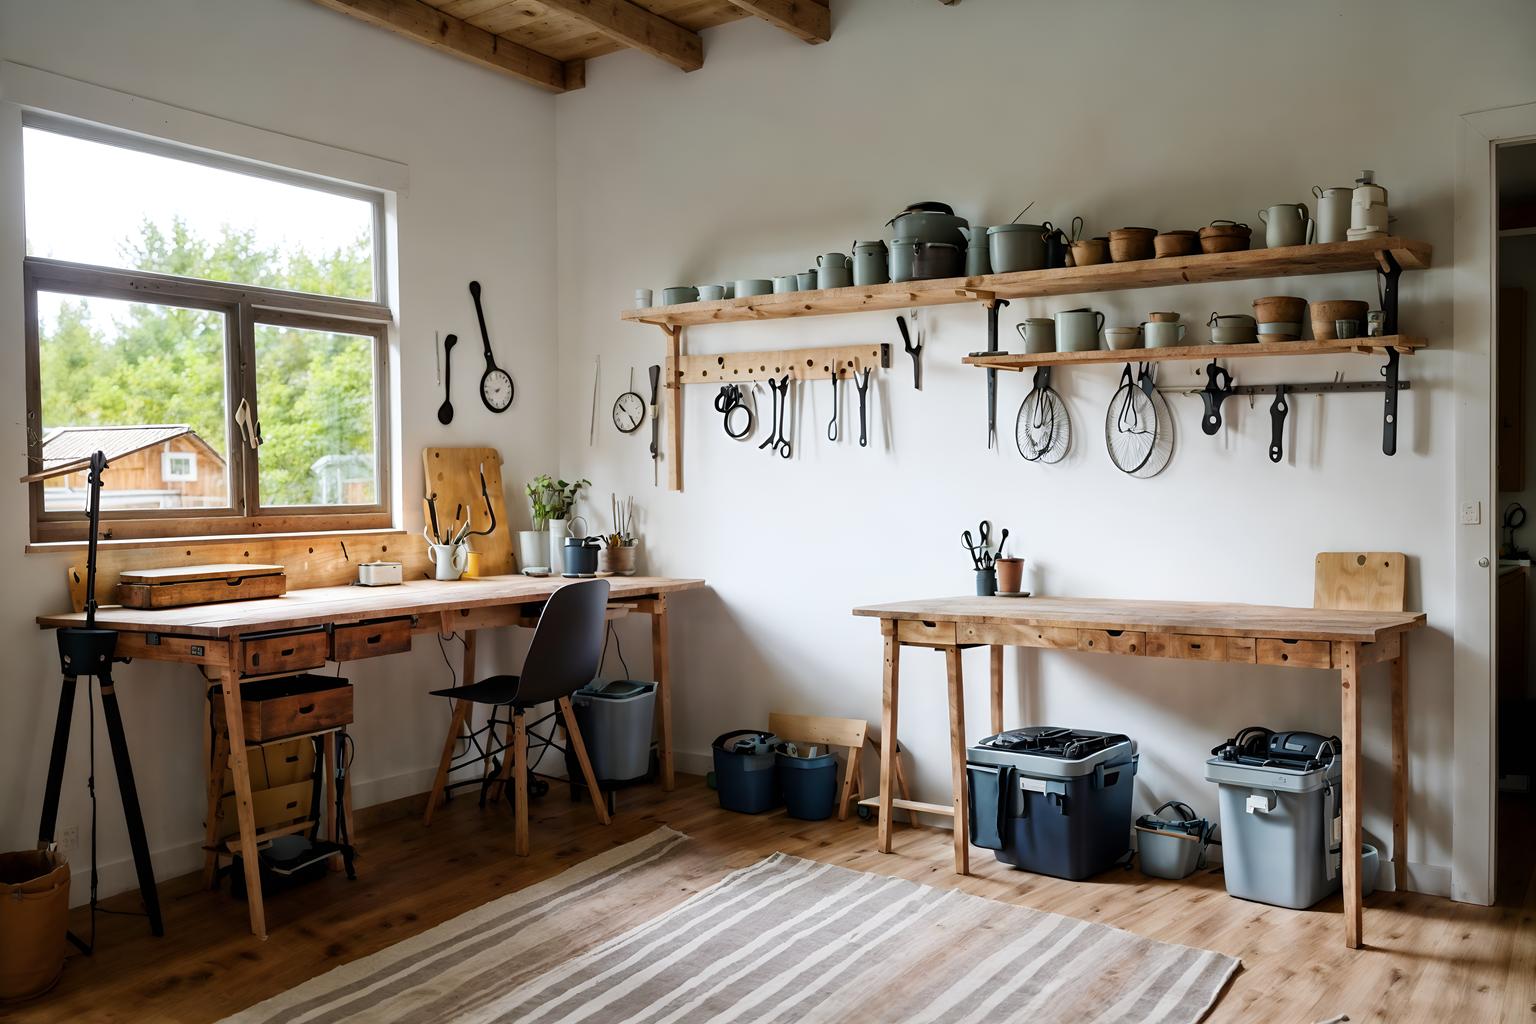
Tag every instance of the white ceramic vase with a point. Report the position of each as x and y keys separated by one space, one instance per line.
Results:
x=532 y=548
x=558 y=529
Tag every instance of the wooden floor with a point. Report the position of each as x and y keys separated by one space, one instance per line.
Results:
x=1428 y=959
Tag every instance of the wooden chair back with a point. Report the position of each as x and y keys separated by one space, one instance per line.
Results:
x=1370 y=581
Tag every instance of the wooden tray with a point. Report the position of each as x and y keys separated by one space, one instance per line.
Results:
x=199 y=584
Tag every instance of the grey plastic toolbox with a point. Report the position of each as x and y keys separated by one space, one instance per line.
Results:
x=616 y=719
x=1280 y=831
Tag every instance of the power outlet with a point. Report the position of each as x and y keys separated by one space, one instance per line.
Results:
x=69 y=838
x=1471 y=513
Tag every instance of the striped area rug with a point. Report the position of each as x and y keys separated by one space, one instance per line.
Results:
x=628 y=937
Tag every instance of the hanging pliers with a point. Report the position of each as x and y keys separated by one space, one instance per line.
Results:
x=915 y=351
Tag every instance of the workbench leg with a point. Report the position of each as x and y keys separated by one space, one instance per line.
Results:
x=328 y=794
x=462 y=710
x=888 y=698
x=1349 y=681
x=520 y=784
x=997 y=688
x=218 y=763
x=957 y=761
x=239 y=768
x=1400 y=778
x=661 y=665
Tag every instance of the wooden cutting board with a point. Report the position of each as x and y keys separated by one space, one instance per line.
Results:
x=183 y=585
x=454 y=473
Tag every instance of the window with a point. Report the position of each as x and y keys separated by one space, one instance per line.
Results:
x=218 y=329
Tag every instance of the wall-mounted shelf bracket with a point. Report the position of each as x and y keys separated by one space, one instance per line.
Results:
x=1388 y=271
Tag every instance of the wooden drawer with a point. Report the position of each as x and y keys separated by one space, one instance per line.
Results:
x=1198 y=647
x=278 y=764
x=1112 y=641
x=920 y=631
x=274 y=708
x=1296 y=653
x=370 y=639
x=274 y=808
x=1010 y=634
x=283 y=652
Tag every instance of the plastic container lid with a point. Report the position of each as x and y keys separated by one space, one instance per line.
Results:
x=617 y=689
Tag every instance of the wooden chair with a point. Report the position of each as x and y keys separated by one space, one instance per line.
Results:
x=1377 y=581
x=849 y=733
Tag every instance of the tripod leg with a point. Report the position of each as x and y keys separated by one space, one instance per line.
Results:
x=131 y=813
x=55 y=784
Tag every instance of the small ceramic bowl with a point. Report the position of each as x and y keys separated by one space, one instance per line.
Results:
x=753 y=286
x=1280 y=331
x=1122 y=337
x=680 y=293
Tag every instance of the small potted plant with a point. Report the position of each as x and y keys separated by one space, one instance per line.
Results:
x=550 y=502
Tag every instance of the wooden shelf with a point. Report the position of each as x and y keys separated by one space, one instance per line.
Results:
x=1251 y=264
x=1363 y=346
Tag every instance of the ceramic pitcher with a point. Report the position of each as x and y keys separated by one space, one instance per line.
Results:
x=1286 y=224
x=1332 y=212
x=448 y=560
x=1077 y=330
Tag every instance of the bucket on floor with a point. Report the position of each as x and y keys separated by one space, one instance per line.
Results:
x=808 y=784
x=616 y=719
x=1172 y=847
x=744 y=776
x=1053 y=801
x=1278 y=793
x=34 y=916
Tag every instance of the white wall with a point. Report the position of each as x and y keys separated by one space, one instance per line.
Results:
x=479 y=149
x=1167 y=115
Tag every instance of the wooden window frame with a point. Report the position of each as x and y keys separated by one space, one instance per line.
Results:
x=243 y=307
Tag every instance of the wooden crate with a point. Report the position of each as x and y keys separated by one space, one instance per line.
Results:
x=185 y=585
x=274 y=708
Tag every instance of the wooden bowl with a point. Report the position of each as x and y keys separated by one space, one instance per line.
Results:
x=1280 y=309
x=1325 y=313
x=1176 y=243
x=1129 y=244
x=1087 y=252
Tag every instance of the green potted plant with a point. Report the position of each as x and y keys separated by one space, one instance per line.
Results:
x=550 y=501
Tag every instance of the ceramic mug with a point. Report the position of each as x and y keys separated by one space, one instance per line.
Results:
x=673 y=296
x=753 y=286
x=1286 y=224
x=1077 y=330
x=1039 y=334
x=1162 y=333
x=785 y=283
x=642 y=298
x=448 y=560
x=806 y=282
x=1332 y=212
x=1346 y=328
x=711 y=292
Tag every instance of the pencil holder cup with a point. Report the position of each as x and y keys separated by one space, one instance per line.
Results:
x=620 y=561
x=986 y=582
x=448 y=560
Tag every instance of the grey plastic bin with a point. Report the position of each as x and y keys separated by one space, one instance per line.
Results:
x=1280 y=831
x=615 y=719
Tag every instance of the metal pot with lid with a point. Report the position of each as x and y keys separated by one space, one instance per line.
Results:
x=929 y=222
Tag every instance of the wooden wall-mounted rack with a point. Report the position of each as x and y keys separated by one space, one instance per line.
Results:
x=1388 y=257
x=799 y=363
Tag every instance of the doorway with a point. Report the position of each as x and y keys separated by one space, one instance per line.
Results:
x=1515 y=483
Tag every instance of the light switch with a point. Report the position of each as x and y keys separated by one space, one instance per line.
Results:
x=1471 y=513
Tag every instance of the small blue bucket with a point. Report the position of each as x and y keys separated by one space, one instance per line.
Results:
x=744 y=771
x=808 y=784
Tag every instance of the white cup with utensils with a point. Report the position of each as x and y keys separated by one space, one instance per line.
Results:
x=448 y=560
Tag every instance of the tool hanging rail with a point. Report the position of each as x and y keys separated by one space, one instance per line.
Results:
x=800 y=364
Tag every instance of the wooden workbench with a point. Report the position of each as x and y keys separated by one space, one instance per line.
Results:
x=225 y=641
x=1344 y=641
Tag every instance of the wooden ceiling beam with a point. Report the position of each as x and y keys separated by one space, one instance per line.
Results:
x=808 y=19
x=636 y=27
x=417 y=21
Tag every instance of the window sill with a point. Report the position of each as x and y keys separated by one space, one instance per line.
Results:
x=45 y=547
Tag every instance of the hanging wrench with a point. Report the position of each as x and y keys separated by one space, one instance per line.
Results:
x=1277 y=410
x=863 y=384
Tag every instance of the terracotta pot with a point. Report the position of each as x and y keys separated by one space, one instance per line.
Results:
x=1129 y=244
x=1010 y=575
x=1325 y=313
x=1225 y=236
x=1163 y=318
x=1272 y=309
x=1087 y=252
x=1176 y=243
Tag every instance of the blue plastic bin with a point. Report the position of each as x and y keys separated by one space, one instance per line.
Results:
x=808 y=784
x=745 y=779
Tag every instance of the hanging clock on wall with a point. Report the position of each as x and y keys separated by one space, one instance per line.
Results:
x=628 y=412
x=496 y=388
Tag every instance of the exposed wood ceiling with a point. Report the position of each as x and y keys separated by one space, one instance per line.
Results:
x=548 y=42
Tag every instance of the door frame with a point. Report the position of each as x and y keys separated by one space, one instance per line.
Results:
x=1474 y=294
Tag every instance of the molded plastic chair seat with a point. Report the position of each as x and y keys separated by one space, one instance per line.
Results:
x=491 y=690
